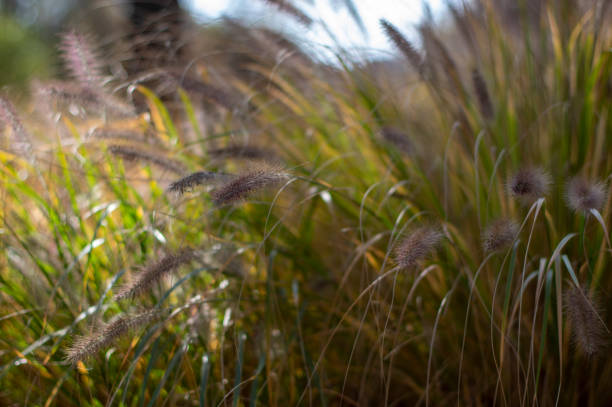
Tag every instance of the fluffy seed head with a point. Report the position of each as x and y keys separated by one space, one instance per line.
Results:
x=8 y=116
x=529 y=184
x=588 y=330
x=86 y=346
x=242 y=186
x=583 y=195
x=286 y=7
x=499 y=235
x=81 y=59
x=155 y=272
x=416 y=246
x=402 y=44
x=189 y=182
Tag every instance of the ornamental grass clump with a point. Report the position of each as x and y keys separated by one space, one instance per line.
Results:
x=353 y=279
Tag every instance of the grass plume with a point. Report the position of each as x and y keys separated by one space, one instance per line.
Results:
x=87 y=346
x=192 y=180
x=82 y=60
x=499 y=235
x=249 y=182
x=529 y=184
x=588 y=330
x=583 y=195
x=416 y=246
x=402 y=44
x=154 y=273
x=21 y=139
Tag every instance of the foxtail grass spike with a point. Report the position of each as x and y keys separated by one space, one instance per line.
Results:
x=8 y=116
x=583 y=195
x=244 y=185
x=416 y=246
x=499 y=235
x=588 y=330
x=87 y=346
x=286 y=7
x=189 y=182
x=528 y=185
x=242 y=151
x=81 y=59
x=154 y=273
x=402 y=44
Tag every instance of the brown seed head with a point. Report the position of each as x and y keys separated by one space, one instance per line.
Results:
x=583 y=195
x=86 y=346
x=402 y=44
x=245 y=184
x=499 y=235
x=286 y=7
x=528 y=185
x=155 y=272
x=588 y=330
x=189 y=182
x=416 y=246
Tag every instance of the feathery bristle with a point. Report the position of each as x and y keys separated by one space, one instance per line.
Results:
x=398 y=139
x=8 y=116
x=131 y=154
x=81 y=59
x=189 y=182
x=402 y=44
x=529 y=184
x=241 y=187
x=154 y=273
x=482 y=93
x=86 y=346
x=588 y=330
x=286 y=7
x=499 y=235
x=242 y=151
x=415 y=247
x=583 y=195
